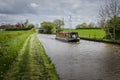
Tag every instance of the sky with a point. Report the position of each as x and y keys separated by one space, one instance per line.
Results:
x=37 y=11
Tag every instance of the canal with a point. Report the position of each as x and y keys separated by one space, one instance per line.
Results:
x=86 y=60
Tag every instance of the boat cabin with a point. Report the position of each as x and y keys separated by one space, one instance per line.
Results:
x=68 y=36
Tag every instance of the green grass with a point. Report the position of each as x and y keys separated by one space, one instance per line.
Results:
x=10 y=44
x=30 y=61
x=48 y=65
x=6 y=32
x=89 y=33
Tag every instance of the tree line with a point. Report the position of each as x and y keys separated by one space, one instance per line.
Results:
x=18 y=26
x=87 y=26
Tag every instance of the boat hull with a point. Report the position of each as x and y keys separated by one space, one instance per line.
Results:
x=68 y=39
x=74 y=40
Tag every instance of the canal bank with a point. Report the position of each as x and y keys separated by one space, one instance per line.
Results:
x=32 y=63
x=101 y=40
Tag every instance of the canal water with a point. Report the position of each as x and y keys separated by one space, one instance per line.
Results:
x=86 y=60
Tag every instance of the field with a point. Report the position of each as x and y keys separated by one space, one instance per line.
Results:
x=22 y=57
x=89 y=33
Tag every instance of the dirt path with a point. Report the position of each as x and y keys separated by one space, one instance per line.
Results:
x=29 y=64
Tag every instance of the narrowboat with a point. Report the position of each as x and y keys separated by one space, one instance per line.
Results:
x=68 y=36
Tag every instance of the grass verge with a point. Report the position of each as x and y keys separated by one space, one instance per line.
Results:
x=32 y=63
x=49 y=66
x=10 y=44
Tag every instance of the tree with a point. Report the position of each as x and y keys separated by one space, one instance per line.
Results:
x=31 y=26
x=26 y=23
x=110 y=30
x=91 y=25
x=109 y=15
x=83 y=25
x=49 y=27
x=59 y=23
x=78 y=26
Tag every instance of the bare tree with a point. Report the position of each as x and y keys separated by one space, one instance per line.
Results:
x=59 y=23
x=111 y=10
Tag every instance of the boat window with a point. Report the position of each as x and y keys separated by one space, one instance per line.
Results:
x=73 y=35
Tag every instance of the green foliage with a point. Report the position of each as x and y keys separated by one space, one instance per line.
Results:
x=59 y=29
x=112 y=27
x=49 y=27
x=26 y=23
x=10 y=44
x=86 y=26
x=59 y=23
x=31 y=26
x=48 y=65
x=110 y=19
x=83 y=25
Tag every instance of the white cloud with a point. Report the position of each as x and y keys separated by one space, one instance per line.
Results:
x=34 y=5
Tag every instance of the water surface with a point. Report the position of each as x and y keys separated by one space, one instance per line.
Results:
x=86 y=60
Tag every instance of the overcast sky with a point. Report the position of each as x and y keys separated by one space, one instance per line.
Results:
x=36 y=11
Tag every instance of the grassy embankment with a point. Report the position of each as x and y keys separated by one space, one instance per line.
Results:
x=22 y=57
x=89 y=33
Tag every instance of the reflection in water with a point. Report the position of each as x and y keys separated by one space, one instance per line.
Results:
x=83 y=61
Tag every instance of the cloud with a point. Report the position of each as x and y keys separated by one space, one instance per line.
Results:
x=40 y=10
x=17 y=7
x=34 y=5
